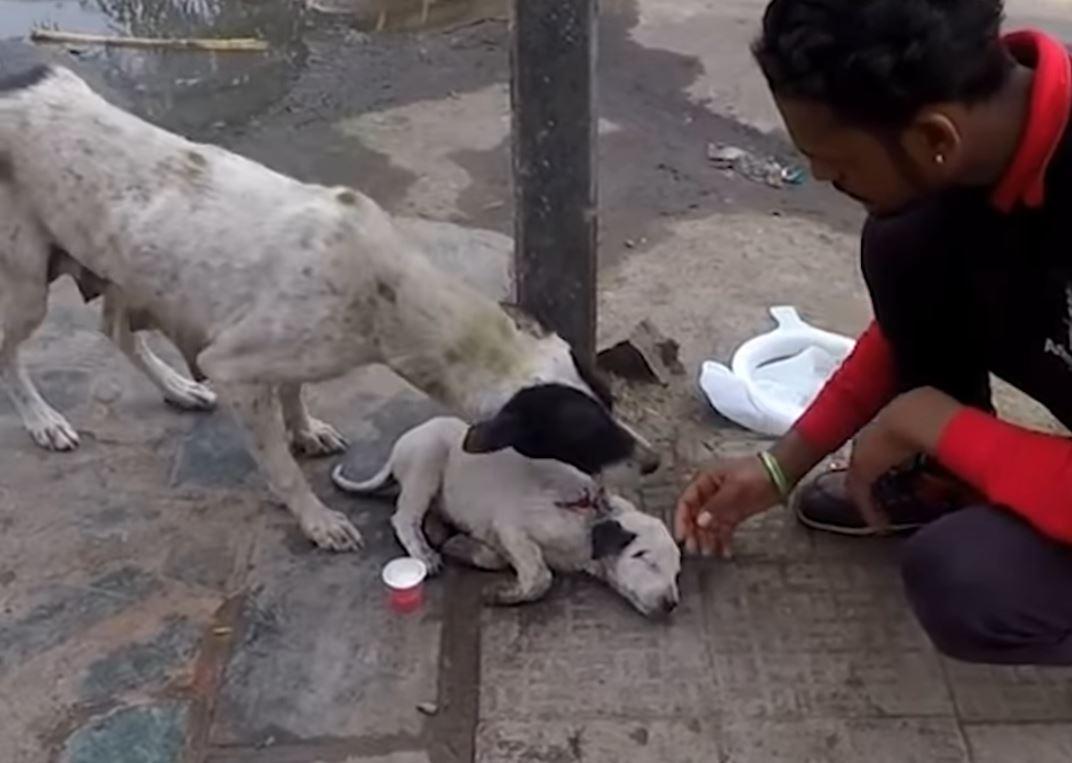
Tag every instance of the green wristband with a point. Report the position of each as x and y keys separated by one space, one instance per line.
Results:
x=777 y=476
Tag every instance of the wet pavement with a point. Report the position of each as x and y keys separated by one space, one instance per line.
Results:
x=157 y=607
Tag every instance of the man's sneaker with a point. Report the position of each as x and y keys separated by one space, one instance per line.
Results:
x=912 y=495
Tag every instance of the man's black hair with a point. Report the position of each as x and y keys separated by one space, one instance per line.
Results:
x=878 y=62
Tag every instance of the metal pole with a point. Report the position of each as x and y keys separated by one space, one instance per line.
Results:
x=554 y=142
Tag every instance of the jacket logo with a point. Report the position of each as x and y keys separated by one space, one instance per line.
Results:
x=1063 y=351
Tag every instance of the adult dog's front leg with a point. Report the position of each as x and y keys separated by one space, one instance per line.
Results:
x=23 y=302
x=533 y=575
x=178 y=391
x=308 y=436
x=260 y=411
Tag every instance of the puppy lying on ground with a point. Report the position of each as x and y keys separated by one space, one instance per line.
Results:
x=264 y=284
x=532 y=515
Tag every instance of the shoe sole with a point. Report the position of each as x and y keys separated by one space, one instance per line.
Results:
x=853 y=532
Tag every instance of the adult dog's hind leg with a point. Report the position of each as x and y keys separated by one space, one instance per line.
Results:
x=308 y=436
x=23 y=303
x=178 y=390
x=258 y=408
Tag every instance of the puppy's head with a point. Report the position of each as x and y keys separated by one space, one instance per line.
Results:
x=638 y=558
x=569 y=421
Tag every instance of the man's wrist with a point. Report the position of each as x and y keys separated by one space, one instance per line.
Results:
x=795 y=456
x=920 y=417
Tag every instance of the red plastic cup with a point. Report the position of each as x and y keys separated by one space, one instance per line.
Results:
x=404 y=578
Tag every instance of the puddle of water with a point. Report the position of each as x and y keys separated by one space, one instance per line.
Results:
x=186 y=91
x=411 y=15
x=18 y=17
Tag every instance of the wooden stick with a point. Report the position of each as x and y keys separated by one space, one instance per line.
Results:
x=218 y=44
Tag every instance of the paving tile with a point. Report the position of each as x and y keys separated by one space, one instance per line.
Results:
x=800 y=685
x=816 y=638
x=807 y=607
x=993 y=693
x=609 y=741
x=1029 y=742
x=214 y=455
x=322 y=655
x=830 y=740
x=583 y=653
x=142 y=734
x=142 y=664
x=63 y=611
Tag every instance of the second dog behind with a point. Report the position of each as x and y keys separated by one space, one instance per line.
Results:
x=532 y=515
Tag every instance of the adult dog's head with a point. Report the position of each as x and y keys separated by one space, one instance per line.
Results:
x=564 y=414
x=636 y=555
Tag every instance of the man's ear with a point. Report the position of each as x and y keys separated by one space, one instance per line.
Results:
x=501 y=431
x=609 y=538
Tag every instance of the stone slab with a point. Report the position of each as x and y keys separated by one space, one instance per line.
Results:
x=1013 y=694
x=609 y=741
x=152 y=733
x=796 y=640
x=584 y=654
x=1034 y=742
x=321 y=656
x=833 y=740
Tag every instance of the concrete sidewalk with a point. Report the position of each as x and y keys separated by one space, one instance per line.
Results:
x=154 y=602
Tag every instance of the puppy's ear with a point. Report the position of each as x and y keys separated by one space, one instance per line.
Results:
x=502 y=431
x=609 y=538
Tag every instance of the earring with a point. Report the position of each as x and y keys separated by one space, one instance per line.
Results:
x=939 y=158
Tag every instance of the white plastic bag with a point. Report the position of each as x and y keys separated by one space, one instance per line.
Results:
x=773 y=377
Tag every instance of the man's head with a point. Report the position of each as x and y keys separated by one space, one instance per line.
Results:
x=879 y=94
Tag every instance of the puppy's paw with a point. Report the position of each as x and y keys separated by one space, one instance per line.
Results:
x=190 y=396
x=318 y=439
x=433 y=561
x=332 y=531
x=52 y=432
x=505 y=595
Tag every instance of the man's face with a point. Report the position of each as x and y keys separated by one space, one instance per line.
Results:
x=874 y=171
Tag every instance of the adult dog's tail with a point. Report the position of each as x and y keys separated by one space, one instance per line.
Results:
x=380 y=482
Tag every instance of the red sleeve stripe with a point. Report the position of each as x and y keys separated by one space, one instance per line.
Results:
x=1029 y=472
x=857 y=391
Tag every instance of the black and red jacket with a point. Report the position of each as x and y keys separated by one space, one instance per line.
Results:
x=997 y=267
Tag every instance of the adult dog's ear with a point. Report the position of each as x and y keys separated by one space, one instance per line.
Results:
x=609 y=538
x=497 y=433
x=525 y=322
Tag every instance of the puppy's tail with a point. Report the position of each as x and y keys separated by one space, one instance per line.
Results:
x=380 y=482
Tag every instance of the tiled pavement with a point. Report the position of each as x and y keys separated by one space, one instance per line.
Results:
x=156 y=604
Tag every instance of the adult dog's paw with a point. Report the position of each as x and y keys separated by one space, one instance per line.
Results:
x=52 y=432
x=317 y=439
x=332 y=531
x=187 y=395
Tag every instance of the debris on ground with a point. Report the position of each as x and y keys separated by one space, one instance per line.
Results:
x=646 y=355
x=755 y=168
x=428 y=708
x=236 y=44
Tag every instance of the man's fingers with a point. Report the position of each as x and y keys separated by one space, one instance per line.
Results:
x=702 y=488
x=724 y=540
x=681 y=522
x=860 y=492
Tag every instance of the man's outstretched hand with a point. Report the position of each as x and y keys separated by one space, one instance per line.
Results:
x=717 y=500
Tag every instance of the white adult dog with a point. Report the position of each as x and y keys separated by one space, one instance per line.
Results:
x=264 y=284
x=534 y=516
